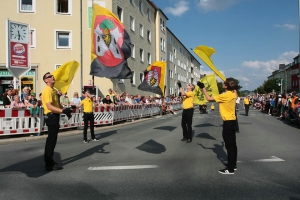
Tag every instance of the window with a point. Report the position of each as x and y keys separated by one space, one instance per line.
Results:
x=132 y=2
x=142 y=55
x=141 y=6
x=63 y=39
x=27 y=5
x=120 y=13
x=141 y=30
x=132 y=79
x=162 y=44
x=132 y=50
x=57 y=66
x=131 y=23
x=162 y=25
x=63 y=6
x=170 y=56
x=149 y=58
x=141 y=77
x=149 y=36
x=32 y=38
x=148 y=13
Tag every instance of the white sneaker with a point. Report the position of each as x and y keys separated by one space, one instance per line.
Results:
x=95 y=139
x=85 y=141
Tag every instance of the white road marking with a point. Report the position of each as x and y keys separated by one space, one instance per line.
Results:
x=272 y=159
x=123 y=167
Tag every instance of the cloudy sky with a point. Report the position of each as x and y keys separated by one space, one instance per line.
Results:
x=251 y=37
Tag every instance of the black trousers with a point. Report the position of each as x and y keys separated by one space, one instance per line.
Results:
x=88 y=117
x=52 y=121
x=186 y=123
x=247 y=109
x=229 y=137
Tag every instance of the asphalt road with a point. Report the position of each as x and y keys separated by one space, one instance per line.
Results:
x=147 y=160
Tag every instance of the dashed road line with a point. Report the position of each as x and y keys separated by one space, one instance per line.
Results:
x=123 y=167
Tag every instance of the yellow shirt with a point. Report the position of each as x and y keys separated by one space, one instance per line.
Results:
x=246 y=101
x=188 y=100
x=87 y=105
x=226 y=105
x=49 y=95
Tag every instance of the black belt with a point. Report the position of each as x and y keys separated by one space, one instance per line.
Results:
x=52 y=114
x=88 y=112
x=188 y=108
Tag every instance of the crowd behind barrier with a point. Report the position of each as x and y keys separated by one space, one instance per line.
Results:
x=286 y=107
x=21 y=121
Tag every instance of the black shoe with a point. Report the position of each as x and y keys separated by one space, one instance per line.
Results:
x=183 y=139
x=54 y=167
x=188 y=140
x=226 y=171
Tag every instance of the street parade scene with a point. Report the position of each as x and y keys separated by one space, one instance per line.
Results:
x=141 y=99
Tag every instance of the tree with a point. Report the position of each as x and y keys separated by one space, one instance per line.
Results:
x=270 y=85
x=220 y=87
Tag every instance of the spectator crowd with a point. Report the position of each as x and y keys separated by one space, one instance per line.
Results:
x=283 y=106
x=27 y=99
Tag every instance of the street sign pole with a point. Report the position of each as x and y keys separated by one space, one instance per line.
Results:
x=281 y=86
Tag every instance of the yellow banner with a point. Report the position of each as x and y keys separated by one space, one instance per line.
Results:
x=205 y=52
x=211 y=87
x=64 y=75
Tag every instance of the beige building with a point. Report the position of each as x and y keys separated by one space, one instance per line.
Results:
x=60 y=31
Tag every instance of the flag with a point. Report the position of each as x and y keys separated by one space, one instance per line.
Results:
x=111 y=45
x=154 y=78
x=64 y=75
x=211 y=87
x=205 y=52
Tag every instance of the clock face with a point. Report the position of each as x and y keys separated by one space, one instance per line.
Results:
x=19 y=32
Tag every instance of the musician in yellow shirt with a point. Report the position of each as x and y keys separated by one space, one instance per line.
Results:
x=246 y=105
x=227 y=102
x=212 y=107
x=88 y=116
x=188 y=111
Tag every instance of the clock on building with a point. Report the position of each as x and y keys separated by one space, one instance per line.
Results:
x=18 y=32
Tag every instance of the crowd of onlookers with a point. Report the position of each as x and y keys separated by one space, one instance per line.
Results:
x=27 y=99
x=283 y=106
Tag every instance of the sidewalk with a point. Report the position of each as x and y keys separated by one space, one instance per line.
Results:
x=66 y=133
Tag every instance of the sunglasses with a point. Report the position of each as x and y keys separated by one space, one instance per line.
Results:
x=50 y=76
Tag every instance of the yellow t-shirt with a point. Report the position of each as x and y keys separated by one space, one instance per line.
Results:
x=87 y=105
x=226 y=105
x=188 y=100
x=49 y=95
x=246 y=101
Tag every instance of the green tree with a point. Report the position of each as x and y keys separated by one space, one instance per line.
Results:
x=270 y=85
x=220 y=87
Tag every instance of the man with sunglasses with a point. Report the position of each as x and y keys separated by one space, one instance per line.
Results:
x=52 y=111
x=227 y=105
x=188 y=111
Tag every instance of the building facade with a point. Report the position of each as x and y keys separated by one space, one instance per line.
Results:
x=289 y=74
x=60 y=31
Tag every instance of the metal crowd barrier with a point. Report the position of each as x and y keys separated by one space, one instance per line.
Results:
x=20 y=121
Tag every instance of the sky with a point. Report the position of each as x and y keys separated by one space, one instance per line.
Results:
x=251 y=37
